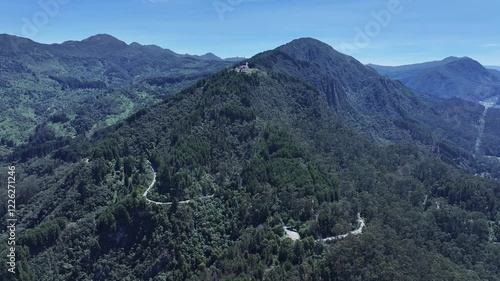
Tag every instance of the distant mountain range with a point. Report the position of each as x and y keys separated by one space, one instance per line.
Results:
x=81 y=86
x=493 y=67
x=211 y=56
x=307 y=139
x=464 y=78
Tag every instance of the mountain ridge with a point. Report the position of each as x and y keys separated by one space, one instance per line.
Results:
x=378 y=107
x=112 y=42
x=276 y=155
x=85 y=85
x=456 y=77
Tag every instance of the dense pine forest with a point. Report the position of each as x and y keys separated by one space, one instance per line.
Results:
x=79 y=87
x=238 y=157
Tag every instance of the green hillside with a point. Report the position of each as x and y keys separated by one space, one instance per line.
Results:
x=78 y=87
x=272 y=153
x=377 y=107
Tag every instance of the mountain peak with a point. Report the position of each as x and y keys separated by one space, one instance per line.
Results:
x=11 y=43
x=463 y=61
x=310 y=49
x=470 y=69
x=210 y=56
x=104 y=39
x=16 y=39
x=308 y=41
x=461 y=77
x=5 y=36
x=450 y=58
x=307 y=52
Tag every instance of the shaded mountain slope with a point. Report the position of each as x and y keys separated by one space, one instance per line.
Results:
x=453 y=77
x=378 y=107
x=80 y=86
x=407 y=71
x=273 y=153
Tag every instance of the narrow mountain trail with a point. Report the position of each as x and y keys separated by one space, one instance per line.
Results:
x=482 y=122
x=294 y=235
x=361 y=222
x=145 y=194
x=358 y=231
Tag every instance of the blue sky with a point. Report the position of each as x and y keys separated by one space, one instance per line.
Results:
x=390 y=32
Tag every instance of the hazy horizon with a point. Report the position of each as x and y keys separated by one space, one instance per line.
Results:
x=384 y=32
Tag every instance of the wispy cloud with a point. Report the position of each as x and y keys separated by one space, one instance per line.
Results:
x=491 y=45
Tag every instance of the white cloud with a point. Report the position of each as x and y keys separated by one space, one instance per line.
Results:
x=491 y=45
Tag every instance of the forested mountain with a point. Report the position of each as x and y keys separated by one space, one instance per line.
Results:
x=409 y=70
x=78 y=87
x=378 y=107
x=464 y=78
x=235 y=158
x=213 y=57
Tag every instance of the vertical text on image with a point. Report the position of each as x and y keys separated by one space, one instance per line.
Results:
x=11 y=219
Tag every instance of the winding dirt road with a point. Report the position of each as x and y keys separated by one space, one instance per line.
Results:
x=291 y=234
x=361 y=222
x=358 y=231
x=165 y=203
